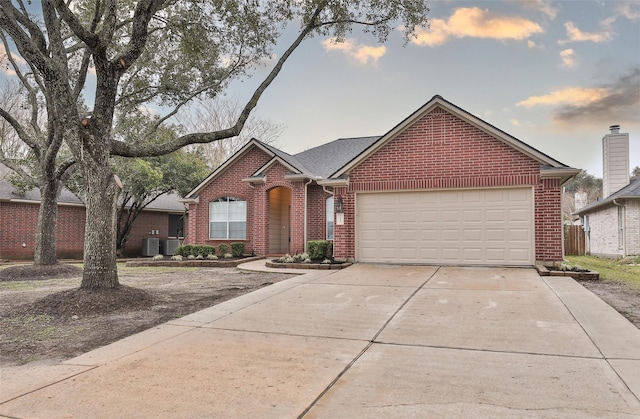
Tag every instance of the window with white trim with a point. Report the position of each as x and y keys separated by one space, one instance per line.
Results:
x=329 y=213
x=228 y=219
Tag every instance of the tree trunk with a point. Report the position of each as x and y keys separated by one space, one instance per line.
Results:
x=100 y=269
x=45 y=251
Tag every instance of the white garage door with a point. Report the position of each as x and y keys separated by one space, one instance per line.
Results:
x=455 y=227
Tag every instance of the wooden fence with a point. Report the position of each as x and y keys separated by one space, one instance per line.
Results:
x=573 y=241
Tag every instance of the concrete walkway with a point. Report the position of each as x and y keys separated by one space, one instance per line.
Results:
x=366 y=341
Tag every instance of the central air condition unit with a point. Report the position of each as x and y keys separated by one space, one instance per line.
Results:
x=169 y=246
x=150 y=247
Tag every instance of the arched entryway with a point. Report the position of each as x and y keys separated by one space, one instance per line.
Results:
x=279 y=220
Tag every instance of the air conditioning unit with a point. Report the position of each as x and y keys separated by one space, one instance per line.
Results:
x=150 y=247
x=169 y=246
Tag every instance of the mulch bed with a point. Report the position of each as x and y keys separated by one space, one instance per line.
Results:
x=39 y=272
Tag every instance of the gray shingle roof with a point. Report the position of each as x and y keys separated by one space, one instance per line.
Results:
x=8 y=193
x=631 y=191
x=325 y=159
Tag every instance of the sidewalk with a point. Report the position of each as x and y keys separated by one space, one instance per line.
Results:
x=369 y=340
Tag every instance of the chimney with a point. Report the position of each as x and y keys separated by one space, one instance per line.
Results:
x=615 y=153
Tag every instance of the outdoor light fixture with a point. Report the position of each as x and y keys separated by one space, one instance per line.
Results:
x=339 y=206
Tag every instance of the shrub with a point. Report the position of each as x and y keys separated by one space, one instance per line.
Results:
x=300 y=257
x=211 y=256
x=326 y=262
x=184 y=250
x=176 y=257
x=282 y=259
x=228 y=255
x=223 y=248
x=199 y=257
x=318 y=249
x=158 y=257
x=237 y=249
x=195 y=250
x=191 y=257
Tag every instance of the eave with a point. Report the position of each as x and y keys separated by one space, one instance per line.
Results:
x=562 y=173
x=334 y=183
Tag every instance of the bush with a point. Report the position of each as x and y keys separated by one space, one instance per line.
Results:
x=211 y=256
x=158 y=257
x=195 y=250
x=318 y=249
x=300 y=258
x=237 y=249
x=223 y=248
x=176 y=257
x=228 y=256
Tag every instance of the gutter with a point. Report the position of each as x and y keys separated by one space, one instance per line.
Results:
x=304 y=245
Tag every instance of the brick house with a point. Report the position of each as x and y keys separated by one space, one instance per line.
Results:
x=441 y=187
x=19 y=218
x=612 y=224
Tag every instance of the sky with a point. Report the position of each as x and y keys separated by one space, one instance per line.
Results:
x=554 y=74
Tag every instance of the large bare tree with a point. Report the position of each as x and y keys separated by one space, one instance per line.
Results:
x=214 y=114
x=163 y=53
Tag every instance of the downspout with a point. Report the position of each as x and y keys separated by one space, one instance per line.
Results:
x=305 y=214
x=624 y=228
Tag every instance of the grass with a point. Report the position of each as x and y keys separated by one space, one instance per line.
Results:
x=618 y=270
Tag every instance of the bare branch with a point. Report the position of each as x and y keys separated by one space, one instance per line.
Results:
x=121 y=148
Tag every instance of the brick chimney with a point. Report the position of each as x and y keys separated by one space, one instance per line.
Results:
x=615 y=153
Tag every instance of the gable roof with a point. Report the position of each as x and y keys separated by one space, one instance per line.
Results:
x=439 y=102
x=315 y=163
x=330 y=163
x=631 y=191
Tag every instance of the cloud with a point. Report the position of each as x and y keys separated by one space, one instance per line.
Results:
x=568 y=59
x=618 y=101
x=567 y=95
x=475 y=23
x=627 y=10
x=532 y=45
x=360 y=52
x=576 y=35
x=5 y=66
x=544 y=6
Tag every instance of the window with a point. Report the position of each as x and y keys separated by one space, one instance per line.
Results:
x=228 y=219
x=176 y=226
x=329 y=218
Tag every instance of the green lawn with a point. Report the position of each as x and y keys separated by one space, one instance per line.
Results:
x=620 y=270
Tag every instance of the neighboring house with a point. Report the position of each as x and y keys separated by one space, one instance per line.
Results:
x=441 y=187
x=19 y=219
x=612 y=224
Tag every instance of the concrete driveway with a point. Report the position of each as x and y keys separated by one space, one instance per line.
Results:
x=367 y=341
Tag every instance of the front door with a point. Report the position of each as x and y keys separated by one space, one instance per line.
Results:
x=279 y=220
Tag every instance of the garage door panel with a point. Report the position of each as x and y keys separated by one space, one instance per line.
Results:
x=483 y=226
x=519 y=235
x=495 y=215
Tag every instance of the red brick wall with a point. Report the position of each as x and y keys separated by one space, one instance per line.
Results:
x=229 y=183
x=548 y=216
x=18 y=222
x=442 y=151
x=316 y=215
